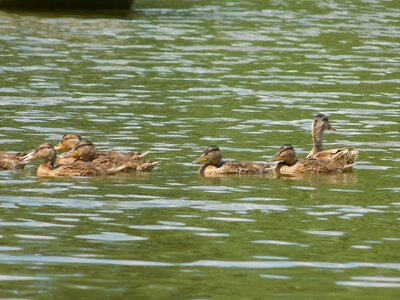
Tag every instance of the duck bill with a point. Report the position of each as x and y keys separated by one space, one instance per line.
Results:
x=330 y=127
x=71 y=153
x=143 y=154
x=200 y=160
x=277 y=158
x=59 y=147
x=28 y=157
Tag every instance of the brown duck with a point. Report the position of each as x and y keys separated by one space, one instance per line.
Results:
x=340 y=155
x=85 y=151
x=289 y=164
x=11 y=161
x=214 y=165
x=49 y=168
x=68 y=141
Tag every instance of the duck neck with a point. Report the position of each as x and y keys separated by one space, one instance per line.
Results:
x=50 y=162
x=290 y=160
x=317 y=142
x=217 y=160
x=218 y=164
x=203 y=168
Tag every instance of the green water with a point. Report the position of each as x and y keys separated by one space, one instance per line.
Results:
x=173 y=77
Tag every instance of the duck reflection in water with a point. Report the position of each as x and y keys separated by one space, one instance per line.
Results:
x=322 y=179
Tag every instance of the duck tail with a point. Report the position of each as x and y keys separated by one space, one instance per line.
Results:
x=147 y=166
x=352 y=156
x=141 y=155
x=347 y=168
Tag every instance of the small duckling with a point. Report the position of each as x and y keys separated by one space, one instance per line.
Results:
x=289 y=164
x=214 y=165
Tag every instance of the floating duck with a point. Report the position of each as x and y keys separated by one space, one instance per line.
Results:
x=214 y=165
x=69 y=140
x=85 y=151
x=340 y=155
x=289 y=164
x=49 y=168
x=11 y=161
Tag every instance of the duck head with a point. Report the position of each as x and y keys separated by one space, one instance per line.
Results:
x=211 y=155
x=44 y=151
x=84 y=150
x=68 y=141
x=286 y=154
x=320 y=124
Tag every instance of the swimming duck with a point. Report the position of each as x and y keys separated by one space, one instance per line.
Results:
x=289 y=164
x=69 y=140
x=85 y=151
x=214 y=165
x=11 y=161
x=340 y=156
x=49 y=168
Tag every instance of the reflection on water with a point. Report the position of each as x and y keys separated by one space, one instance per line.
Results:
x=314 y=180
x=173 y=78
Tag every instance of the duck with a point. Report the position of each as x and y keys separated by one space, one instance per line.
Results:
x=340 y=155
x=11 y=161
x=49 y=168
x=85 y=151
x=212 y=165
x=289 y=164
x=69 y=140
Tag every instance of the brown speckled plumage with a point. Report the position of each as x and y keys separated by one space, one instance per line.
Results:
x=213 y=165
x=68 y=141
x=85 y=151
x=49 y=169
x=11 y=161
x=289 y=164
x=337 y=156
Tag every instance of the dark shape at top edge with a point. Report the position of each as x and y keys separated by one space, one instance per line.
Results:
x=66 y=4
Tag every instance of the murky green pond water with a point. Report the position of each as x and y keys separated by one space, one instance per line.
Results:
x=173 y=77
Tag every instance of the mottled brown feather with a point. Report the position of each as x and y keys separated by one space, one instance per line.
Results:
x=235 y=168
x=68 y=141
x=11 y=161
x=289 y=164
x=213 y=165
x=82 y=169
x=84 y=151
x=337 y=156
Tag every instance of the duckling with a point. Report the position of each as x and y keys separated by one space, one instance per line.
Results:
x=340 y=156
x=289 y=164
x=11 y=161
x=85 y=151
x=69 y=140
x=214 y=165
x=49 y=169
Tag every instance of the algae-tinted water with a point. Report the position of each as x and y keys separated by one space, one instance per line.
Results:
x=175 y=77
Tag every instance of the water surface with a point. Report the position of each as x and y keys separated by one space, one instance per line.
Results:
x=173 y=78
